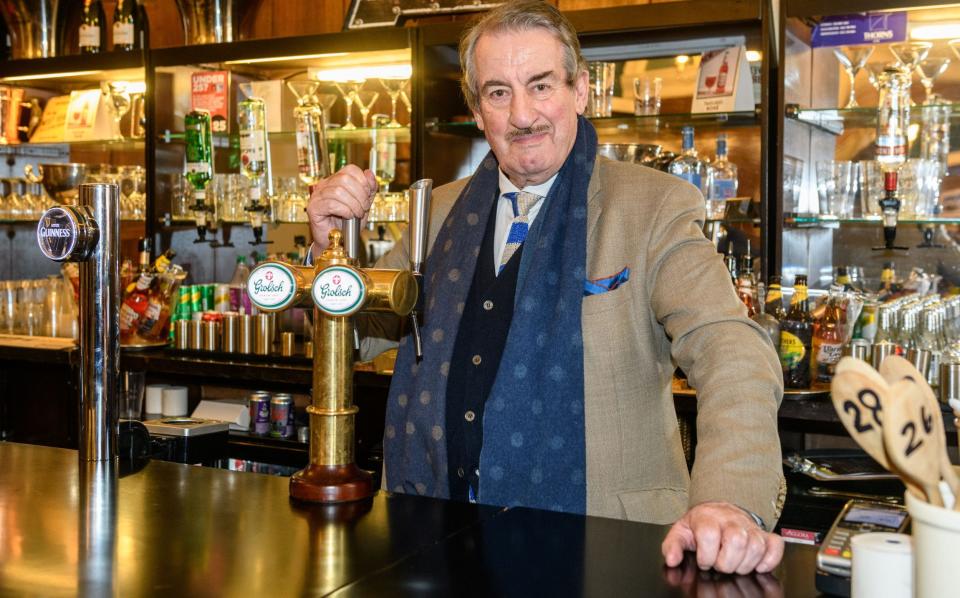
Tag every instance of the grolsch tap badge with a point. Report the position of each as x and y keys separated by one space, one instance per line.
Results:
x=338 y=291
x=271 y=287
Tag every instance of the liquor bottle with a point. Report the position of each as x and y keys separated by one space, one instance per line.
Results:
x=688 y=166
x=774 y=303
x=92 y=28
x=893 y=117
x=157 y=313
x=766 y=321
x=796 y=337
x=124 y=17
x=198 y=169
x=383 y=158
x=313 y=162
x=141 y=28
x=136 y=299
x=723 y=183
x=828 y=341
x=730 y=261
x=889 y=288
x=722 y=75
x=251 y=118
x=144 y=247
x=747 y=283
x=843 y=279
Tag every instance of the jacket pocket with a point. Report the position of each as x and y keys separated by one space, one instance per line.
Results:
x=595 y=304
x=662 y=506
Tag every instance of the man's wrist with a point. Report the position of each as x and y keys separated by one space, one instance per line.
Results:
x=756 y=518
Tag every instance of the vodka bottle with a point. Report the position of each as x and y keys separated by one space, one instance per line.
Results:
x=312 y=161
x=893 y=117
x=723 y=180
x=688 y=166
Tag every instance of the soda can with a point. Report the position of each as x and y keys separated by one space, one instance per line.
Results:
x=281 y=416
x=259 y=404
x=221 y=298
x=196 y=298
x=184 y=308
x=209 y=296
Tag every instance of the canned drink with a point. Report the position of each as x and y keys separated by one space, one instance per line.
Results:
x=221 y=298
x=259 y=405
x=281 y=416
x=209 y=296
x=196 y=298
x=866 y=326
x=184 y=308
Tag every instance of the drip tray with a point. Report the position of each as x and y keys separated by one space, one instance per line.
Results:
x=185 y=426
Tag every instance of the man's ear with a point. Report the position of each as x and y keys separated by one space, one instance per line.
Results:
x=581 y=85
x=478 y=118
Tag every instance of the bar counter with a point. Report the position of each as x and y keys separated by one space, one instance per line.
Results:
x=181 y=530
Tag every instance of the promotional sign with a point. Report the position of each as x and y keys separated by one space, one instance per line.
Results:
x=724 y=82
x=210 y=91
x=860 y=29
x=88 y=117
x=338 y=291
x=53 y=121
x=271 y=287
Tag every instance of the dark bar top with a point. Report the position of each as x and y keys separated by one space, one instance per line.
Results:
x=180 y=530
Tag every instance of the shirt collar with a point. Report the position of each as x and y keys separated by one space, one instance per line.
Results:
x=542 y=189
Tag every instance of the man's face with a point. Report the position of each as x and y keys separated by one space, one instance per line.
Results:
x=526 y=109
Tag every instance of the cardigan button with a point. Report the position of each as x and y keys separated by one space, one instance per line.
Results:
x=488 y=305
x=469 y=416
x=476 y=360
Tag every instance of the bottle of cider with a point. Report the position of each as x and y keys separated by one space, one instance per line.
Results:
x=796 y=338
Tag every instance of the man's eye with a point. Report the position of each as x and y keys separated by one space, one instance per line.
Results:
x=498 y=94
x=542 y=87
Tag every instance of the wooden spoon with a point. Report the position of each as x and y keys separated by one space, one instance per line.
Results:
x=895 y=368
x=911 y=442
x=859 y=399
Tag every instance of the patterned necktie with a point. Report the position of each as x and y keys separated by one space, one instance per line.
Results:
x=521 y=202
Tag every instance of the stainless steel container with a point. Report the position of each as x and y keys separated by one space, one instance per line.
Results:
x=860 y=349
x=211 y=335
x=195 y=335
x=920 y=358
x=245 y=337
x=262 y=334
x=949 y=381
x=32 y=25
x=308 y=349
x=231 y=333
x=287 y=340
x=213 y=21
x=881 y=351
x=181 y=334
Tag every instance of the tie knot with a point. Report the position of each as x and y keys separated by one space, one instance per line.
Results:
x=522 y=201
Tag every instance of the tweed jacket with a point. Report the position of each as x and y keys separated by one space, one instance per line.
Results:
x=677 y=308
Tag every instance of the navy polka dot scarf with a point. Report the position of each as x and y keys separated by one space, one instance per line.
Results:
x=533 y=424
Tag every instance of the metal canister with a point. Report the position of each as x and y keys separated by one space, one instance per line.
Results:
x=920 y=358
x=231 y=333
x=308 y=349
x=881 y=351
x=949 y=381
x=259 y=405
x=195 y=335
x=263 y=334
x=245 y=337
x=860 y=349
x=281 y=416
x=221 y=298
x=287 y=340
x=181 y=331
x=211 y=335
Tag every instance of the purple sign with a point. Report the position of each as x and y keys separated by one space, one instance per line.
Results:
x=860 y=29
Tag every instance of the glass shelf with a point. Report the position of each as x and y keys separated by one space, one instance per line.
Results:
x=835 y=120
x=57 y=147
x=398 y=134
x=812 y=220
x=625 y=123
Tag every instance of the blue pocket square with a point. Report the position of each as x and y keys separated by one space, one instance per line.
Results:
x=605 y=285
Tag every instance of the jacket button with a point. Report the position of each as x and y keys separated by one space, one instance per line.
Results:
x=460 y=472
x=488 y=305
x=476 y=360
x=469 y=416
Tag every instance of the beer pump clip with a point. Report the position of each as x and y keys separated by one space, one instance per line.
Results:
x=890 y=211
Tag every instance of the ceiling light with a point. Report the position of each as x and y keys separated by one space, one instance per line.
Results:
x=49 y=76
x=284 y=58
x=754 y=56
x=935 y=31
x=362 y=73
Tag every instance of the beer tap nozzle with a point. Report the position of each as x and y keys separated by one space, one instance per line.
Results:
x=419 y=221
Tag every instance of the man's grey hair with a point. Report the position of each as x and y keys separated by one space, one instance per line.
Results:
x=522 y=15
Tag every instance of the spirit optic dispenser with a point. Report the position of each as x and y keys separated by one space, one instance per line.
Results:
x=339 y=289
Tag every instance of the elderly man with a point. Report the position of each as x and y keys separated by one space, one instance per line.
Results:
x=561 y=289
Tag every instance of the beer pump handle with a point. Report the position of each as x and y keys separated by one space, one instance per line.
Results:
x=419 y=221
x=351 y=243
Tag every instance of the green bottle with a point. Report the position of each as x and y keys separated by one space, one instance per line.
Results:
x=199 y=159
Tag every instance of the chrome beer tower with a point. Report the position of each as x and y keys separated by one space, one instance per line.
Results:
x=89 y=233
x=339 y=289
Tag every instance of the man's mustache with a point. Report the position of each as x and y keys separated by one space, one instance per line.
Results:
x=527 y=131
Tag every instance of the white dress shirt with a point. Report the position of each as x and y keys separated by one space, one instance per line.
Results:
x=505 y=213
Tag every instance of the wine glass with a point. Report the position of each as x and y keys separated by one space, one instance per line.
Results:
x=394 y=88
x=348 y=89
x=852 y=58
x=909 y=54
x=929 y=69
x=365 y=101
x=120 y=100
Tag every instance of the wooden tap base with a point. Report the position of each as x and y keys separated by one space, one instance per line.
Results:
x=331 y=484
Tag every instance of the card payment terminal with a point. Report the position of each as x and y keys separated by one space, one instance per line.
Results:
x=857 y=517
